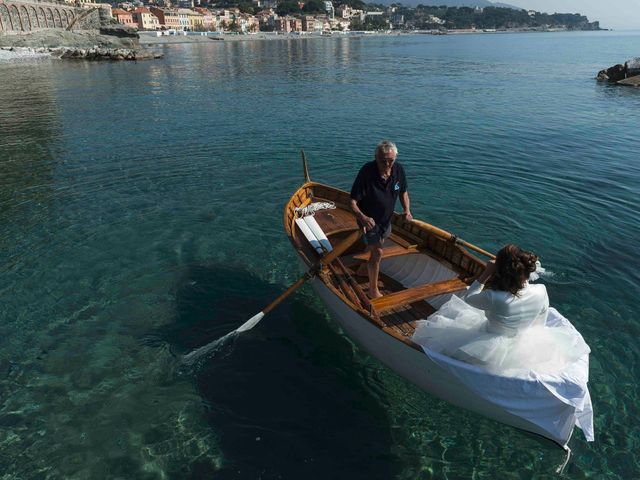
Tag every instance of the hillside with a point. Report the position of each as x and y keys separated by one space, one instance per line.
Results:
x=449 y=3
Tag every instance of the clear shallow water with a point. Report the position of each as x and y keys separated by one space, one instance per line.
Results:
x=140 y=217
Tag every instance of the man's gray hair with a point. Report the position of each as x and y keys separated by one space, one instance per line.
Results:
x=386 y=146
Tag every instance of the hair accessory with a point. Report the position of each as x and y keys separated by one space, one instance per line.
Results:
x=538 y=272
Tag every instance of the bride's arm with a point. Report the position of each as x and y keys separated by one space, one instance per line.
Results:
x=475 y=295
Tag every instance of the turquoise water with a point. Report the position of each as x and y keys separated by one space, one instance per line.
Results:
x=141 y=217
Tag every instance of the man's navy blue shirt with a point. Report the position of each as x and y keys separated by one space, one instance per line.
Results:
x=377 y=197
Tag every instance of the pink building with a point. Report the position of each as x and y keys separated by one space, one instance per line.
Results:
x=124 y=17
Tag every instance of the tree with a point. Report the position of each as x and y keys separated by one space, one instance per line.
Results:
x=247 y=7
x=357 y=4
x=314 y=6
x=288 y=7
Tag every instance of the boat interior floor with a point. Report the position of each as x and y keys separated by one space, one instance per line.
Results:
x=397 y=313
x=402 y=318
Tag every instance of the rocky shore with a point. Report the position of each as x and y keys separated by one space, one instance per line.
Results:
x=116 y=45
x=75 y=53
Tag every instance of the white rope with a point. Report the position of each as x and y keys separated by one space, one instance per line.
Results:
x=312 y=208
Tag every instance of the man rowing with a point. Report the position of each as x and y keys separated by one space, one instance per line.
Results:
x=373 y=198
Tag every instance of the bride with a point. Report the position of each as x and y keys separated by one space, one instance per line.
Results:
x=501 y=326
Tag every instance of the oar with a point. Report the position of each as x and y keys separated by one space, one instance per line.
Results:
x=450 y=236
x=326 y=260
x=253 y=321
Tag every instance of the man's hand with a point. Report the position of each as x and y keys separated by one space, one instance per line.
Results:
x=367 y=222
x=408 y=216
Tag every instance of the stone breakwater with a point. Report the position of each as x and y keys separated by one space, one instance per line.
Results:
x=75 y=53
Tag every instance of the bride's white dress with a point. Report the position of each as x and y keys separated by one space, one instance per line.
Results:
x=500 y=331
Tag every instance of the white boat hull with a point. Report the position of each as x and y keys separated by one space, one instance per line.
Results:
x=424 y=372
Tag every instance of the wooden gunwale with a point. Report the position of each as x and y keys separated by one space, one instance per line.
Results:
x=412 y=236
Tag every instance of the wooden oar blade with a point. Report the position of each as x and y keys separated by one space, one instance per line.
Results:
x=249 y=324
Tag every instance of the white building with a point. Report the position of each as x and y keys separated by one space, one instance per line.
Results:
x=328 y=6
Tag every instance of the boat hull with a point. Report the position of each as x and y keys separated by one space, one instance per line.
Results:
x=420 y=369
x=423 y=255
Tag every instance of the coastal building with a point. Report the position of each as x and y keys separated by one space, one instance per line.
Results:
x=183 y=19
x=374 y=14
x=397 y=19
x=266 y=19
x=311 y=24
x=253 y=25
x=328 y=6
x=339 y=24
x=145 y=19
x=168 y=18
x=343 y=11
x=209 y=21
x=234 y=19
x=196 y=21
x=283 y=24
x=224 y=19
x=295 y=24
x=124 y=17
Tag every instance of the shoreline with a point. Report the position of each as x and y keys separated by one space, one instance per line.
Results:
x=33 y=49
x=151 y=38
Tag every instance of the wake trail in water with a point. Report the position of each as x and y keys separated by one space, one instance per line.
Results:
x=211 y=348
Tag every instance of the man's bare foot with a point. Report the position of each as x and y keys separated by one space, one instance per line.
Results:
x=374 y=293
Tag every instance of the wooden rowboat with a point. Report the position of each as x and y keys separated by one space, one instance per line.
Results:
x=422 y=267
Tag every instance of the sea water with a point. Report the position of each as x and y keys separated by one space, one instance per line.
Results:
x=141 y=218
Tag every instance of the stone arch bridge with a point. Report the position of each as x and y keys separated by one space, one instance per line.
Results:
x=26 y=16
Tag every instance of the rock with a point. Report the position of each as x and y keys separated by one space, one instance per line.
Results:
x=632 y=67
x=612 y=74
x=119 y=44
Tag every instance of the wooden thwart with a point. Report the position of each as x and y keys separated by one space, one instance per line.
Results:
x=411 y=295
x=401 y=241
x=388 y=252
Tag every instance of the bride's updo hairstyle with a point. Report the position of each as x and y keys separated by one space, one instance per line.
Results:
x=513 y=267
